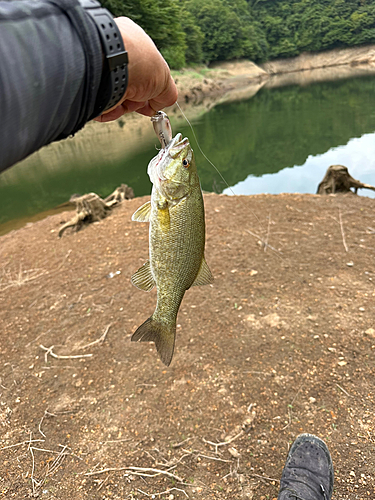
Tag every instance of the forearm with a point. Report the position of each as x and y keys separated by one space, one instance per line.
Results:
x=50 y=73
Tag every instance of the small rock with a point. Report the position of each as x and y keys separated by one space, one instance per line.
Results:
x=247 y=493
x=312 y=400
x=350 y=264
x=362 y=309
x=370 y=332
x=248 y=423
x=273 y=320
x=234 y=452
x=253 y=272
x=342 y=363
x=251 y=317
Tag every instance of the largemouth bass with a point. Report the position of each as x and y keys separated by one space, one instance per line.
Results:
x=176 y=241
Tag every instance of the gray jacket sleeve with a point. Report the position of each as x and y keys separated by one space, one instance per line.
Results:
x=50 y=70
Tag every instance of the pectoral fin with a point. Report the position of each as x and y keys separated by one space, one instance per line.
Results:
x=143 y=213
x=204 y=276
x=143 y=278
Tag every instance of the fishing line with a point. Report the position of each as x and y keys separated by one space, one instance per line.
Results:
x=209 y=161
x=200 y=149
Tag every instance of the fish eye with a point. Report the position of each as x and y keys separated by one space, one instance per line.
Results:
x=185 y=163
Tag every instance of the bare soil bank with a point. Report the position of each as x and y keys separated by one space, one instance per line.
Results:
x=352 y=56
x=283 y=342
x=223 y=77
x=200 y=89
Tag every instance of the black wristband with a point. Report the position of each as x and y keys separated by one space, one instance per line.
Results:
x=115 y=66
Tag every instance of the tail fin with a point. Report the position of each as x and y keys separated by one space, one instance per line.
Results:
x=162 y=334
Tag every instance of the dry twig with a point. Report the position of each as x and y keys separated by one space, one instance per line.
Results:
x=264 y=477
x=60 y=356
x=343 y=390
x=21 y=278
x=178 y=445
x=21 y=443
x=290 y=407
x=57 y=462
x=342 y=232
x=214 y=458
x=224 y=443
x=141 y=471
x=342 y=229
x=116 y=441
x=38 y=337
x=102 y=482
x=268 y=232
x=100 y=340
x=46 y=413
x=138 y=471
x=264 y=244
x=153 y=495
x=33 y=480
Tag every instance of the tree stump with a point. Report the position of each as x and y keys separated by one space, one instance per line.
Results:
x=91 y=208
x=120 y=194
x=338 y=180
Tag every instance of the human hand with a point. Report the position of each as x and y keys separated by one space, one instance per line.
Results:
x=150 y=84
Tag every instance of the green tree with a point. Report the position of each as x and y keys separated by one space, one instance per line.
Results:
x=161 y=19
x=227 y=29
x=193 y=36
x=194 y=31
x=293 y=26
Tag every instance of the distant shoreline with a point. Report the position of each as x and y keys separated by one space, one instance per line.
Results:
x=196 y=84
x=200 y=89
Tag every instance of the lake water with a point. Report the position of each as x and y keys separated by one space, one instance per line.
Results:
x=280 y=140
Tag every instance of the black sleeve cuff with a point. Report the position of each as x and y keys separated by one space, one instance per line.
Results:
x=115 y=66
x=88 y=34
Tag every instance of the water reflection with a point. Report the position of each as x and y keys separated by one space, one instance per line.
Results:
x=282 y=139
x=358 y=155
x=280 y=128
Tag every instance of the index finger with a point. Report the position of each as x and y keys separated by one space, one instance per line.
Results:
x=166 y=98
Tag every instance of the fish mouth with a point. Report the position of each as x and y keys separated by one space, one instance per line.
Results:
x=156 y=167
x=177 y=144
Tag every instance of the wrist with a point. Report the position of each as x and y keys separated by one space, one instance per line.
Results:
x=114 y=77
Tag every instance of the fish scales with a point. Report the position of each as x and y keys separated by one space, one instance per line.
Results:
x=176 y=252
x=176 y=242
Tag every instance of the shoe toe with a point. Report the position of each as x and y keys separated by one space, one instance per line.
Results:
x=308 y=470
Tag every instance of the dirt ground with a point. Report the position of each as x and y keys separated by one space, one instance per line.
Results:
x=283 y=342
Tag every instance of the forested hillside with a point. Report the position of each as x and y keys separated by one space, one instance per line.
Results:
x=203 y=31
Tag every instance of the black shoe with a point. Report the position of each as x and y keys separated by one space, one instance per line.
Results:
x=308 y=471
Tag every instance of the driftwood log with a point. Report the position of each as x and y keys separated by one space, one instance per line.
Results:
x=338 y=180
x=91 y=208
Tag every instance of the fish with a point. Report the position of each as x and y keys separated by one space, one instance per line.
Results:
x=176 y=241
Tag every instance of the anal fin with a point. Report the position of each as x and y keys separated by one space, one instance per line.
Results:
x=143 y=278
x=204 y=276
